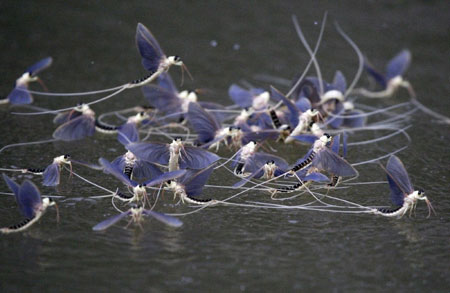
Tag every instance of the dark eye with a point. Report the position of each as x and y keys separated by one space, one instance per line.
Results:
x=142 y=113
x=140 y=185
x=67 y=156
x=327 y=135
x=50 y=199
x=169 y=181
x=178 y=138
x=177 y=58
x=253 y=141
x=421 y=191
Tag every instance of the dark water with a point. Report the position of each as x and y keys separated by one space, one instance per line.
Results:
x=224 y=248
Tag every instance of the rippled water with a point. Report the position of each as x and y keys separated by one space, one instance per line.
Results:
x=224 y=248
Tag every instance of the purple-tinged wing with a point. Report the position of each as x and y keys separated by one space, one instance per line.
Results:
x=203 y=123
x=379 y=78
x=354 y=119
x=307 y=138
x=220 y=116
x=398 y=65
x=317 y=177
x=143 y=170
x=20 y=96
x=326 y=160
x=336 y=144
x=259 y=159
x=127 y=133
x=259 y=135
x=168 y=220
x=293 y=110
x=240 y=96
x=194 y=180
x=118 y=173
x=398 y=174
x=165 y=177
x=110 y=221
x=336 y=122
x=150 y=152
x=301 y=160
x=165 y=81
x=66 y=116
x=303 y=104
x=51 y=175
x=37 y=67
x=339 y=82
x=196 y=158
x=29 y=199
x=75 y=129
x=397 y=195
x=15 y=188
x=118 y=163
x=148 y=48
x=162 y=99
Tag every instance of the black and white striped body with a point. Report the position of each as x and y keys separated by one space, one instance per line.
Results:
x=409 y=204
x=305 y=163
x=104 y=128
x=37 y=171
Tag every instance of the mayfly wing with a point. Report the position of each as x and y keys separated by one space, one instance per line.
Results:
x=196 y=158
x=339 y=82
x=12 y=185
x=144 y=170
x=327 y=160
x=29 y=199
x=194 y=180
x=110 y=221
x=165 y=81
x=203 y=123
x=335 y=144
x=51 y=175
x=63 y=117
x=128 y=133
x=379 y=78
x=397 y=171
x=317 y=177
x=293 y=110
x=398 y=65
x=151 y=152
x=162 y=99
x=354 y=119
x=303 y=104
x=37 y=67
x=148 y=48
x=308 y=138
x=240 y=96
x=168 y=220
x=20 y=95
x=165 y=177
x=76 y=129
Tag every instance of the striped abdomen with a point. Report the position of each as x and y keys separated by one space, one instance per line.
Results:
x=104 y=128
x=123 y=195
x=239 y=168
x=290 y=188
x=196 y=201
x=128 y=170
x=389 y=211
x=36 y=170
x=137 y=81
x=305 y=163
x=276 y=122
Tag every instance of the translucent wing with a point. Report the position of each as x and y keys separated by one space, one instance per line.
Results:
x=166 y=82
x=379 y=78
x=111 y=169
x=145 y=170
x=20 y=95
x=165 y=177
x=150 y=152
x=51 y=175
x=259 y=136
x=148 y=48
x=398 y=65
x=118 y=163
x=308 y=138
x=356 y=121
x=168 y=220
x=203 y=123
x=162 y=99
x=293 y=110
x=326 y=160
x=336 y=144
x=344 y=144
x=398 y=174
x=75 y=129
x=336 y=122
x=29 y=199
x=66 y=116
x=13 y=186
x=218 y=115
x=110 y=221
x=303 y=104
x=194 y=180
x=259 y=159
x=127 y=133
x=339 y=82
x=196 y=158
x=397 y=195
x=317 y=177
x=240 y=96
x=37 y=67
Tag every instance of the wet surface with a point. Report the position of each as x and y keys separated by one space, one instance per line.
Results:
x=224 y=248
